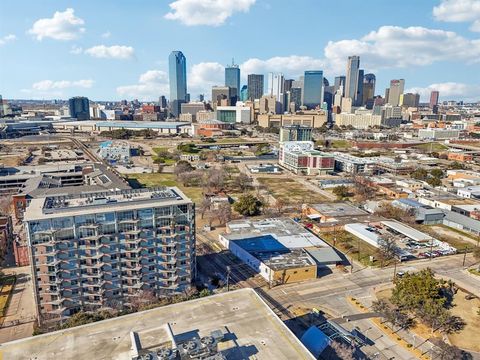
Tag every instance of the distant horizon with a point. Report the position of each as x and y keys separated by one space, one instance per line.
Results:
x=58 y=49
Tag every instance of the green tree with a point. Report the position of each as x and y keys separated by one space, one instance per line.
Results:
x=419 y=174
x=248 y=205
x=341 y=192
x=437 y=173
x=434 y=181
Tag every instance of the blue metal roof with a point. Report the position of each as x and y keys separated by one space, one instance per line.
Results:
x=265 y=243
x=411 y=202
x=315 y=340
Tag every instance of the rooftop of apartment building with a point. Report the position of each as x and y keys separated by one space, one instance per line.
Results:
x=250 y=328
x=91 y=202
x=97 y=177
x=338 y=210
x=284 y=231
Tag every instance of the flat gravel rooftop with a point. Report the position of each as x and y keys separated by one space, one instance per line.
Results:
x=255 y=332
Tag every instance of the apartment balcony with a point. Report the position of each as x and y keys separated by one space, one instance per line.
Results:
x=163 y=261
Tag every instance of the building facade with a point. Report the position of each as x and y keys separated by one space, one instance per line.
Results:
x=79 y=108
x=92 y=250
x=301 y=157
x=232 y=80
x=295 y=133
x=313 y=89
x=255 y=86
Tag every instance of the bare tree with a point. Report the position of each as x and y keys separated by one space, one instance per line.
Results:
x=205 y=206
x=5 y=205
x=243 y=181
x=343 y=351
x=444 y=351
x=215 y=179
x=224 y=213
x=387 y=249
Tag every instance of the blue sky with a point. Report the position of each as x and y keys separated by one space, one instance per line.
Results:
x=110 y=50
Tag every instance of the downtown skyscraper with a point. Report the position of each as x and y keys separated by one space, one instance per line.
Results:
x=177 y=72
x=352 y=79
x=232 y=80
x=255 y=86
x=313 y=89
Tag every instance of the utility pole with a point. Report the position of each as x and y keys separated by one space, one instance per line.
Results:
x=228 y=277
x=394 y=269
x=465 y=256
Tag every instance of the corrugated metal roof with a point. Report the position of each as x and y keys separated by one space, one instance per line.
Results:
x=324 y=255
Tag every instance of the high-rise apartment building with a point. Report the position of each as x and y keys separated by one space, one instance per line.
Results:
x=396 y=89
x=177 y=71
x=232 y=80
x=313 y=88
x=255 y=86
x=79 y=108
x=434 y=98
x=351 y=81
x=92 y=250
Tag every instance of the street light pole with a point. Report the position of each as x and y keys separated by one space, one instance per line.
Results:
x=228 y=277
x=465 y=256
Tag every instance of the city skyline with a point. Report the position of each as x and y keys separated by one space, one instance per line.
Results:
x=82 y=54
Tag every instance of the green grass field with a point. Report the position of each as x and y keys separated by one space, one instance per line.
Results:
x=158 y=179
x=432 y=146
x=290 y=191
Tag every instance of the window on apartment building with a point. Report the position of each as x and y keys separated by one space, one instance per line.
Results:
x=163 y=211
x=125 y=215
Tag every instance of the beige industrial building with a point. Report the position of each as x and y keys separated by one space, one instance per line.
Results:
x=313 y=119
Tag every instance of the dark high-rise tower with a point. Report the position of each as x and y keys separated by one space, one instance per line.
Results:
x=255 y=86
x=232 y=80
x=368 y=90
x=79 y=108
x=177 y=71
x=359 y=95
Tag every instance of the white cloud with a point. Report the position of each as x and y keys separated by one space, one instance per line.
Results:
x=111 y=52
x=203 y=76
x=106 y=35
x=7 y=38
x=449 y=90
x=151 y=85
x=75 y=50
x=290 y=66
x=206 y=12
x=393 y=46
x=459 y=11
x=62 y=26
x=46 y=85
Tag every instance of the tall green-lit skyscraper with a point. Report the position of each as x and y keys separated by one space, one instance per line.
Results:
x=177 y=71
x=313 y=88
